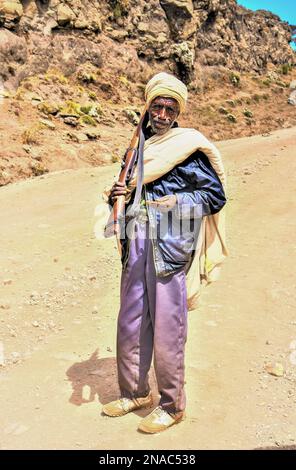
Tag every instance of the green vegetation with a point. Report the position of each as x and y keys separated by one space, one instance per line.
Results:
x=223 y=110
x=249 y=121
x=87 y=76
x=48 y=108
x=32 y=134
x=92 y=95
x=247 y=113
x=124 y=81
x=115 y=158
x=119 y=8
x=71 y=108
x=256 y=97
x=234 y=78
x=85 y=119
x=285 y=69
x=231 y=118
x=55 y=76
x=281 y=83
x=267 y=82
x=230 y=103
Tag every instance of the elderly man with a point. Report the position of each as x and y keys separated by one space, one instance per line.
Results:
x=180 y=188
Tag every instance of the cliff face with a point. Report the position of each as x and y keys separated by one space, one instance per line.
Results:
x=137 y=37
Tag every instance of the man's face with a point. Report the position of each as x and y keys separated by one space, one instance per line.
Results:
x=162 y=114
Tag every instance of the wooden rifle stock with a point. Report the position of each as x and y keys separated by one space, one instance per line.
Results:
x=127 y=169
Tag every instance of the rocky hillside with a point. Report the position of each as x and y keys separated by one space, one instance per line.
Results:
x=71 y=70
x=138 y=37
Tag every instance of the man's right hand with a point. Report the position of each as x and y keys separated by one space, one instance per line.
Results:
x=119 y=189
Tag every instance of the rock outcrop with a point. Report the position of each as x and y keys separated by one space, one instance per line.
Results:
x=138 y=37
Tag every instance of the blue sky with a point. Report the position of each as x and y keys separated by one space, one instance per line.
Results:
x=285 y=9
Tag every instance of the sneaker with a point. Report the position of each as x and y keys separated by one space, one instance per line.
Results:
x=125 y=405
x=159 y=420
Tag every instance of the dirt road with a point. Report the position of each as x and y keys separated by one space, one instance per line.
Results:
x=59 y=289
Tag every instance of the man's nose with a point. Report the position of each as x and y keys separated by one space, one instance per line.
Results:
x=162 y=113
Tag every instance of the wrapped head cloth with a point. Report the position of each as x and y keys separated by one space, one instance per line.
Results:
x=168 y=86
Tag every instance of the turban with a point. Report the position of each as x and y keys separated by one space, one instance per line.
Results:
x=168 y=86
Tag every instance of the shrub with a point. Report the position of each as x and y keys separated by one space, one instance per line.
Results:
x=247 y=113
x=124 y=81
x=249 y=121
x=231 y=118
x=55 y=76
x=282 y=84
x=285 y=69
x=87 y=76
x=119 y=7
x=32 y=134
x=256 y=97
x=38 y=169
x=92 y=95
x=266 y=82
x=234 y=78
x=48 y=108
x=230 y=103
x=71 y=109
x=85 y=119
x=223 y=110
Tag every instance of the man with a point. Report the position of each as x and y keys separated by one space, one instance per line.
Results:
x=180 y=189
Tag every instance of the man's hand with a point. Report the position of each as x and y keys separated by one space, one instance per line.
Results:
x=165 y=203
x=119 y=189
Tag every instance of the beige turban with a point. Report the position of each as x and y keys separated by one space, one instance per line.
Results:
x=164 y=84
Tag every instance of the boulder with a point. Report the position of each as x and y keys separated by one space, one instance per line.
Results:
x=292 y=98
x=132 y=116
x=174 y=8
x=184 y=57
x=13 y=54
x=10 y=13
x=65 y=15
x=50 y=25
x=179 y=14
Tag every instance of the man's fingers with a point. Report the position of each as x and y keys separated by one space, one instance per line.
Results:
x=117 y=195
x=119 y=191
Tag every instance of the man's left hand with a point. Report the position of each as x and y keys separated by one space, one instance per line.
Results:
x=165 y=203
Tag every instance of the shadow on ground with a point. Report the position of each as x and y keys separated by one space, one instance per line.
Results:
x=97 y=377
x=93 y=377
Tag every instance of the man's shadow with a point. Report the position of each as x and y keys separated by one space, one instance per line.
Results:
x=98 y=377
x=93 y=377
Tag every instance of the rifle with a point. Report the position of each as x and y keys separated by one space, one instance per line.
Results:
x=130 y=160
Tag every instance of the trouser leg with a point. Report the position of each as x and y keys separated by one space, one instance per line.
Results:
x=134 y=329
x=168 y=308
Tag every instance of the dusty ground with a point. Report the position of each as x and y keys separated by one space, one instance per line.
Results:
x=59 y=301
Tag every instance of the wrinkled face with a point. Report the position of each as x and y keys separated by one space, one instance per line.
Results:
x=162 y=114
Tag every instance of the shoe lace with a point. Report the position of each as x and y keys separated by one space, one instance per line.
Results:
x=125 y=403
x=160 y=412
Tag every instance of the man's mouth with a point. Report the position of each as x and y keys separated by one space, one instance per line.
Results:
x=161 y=125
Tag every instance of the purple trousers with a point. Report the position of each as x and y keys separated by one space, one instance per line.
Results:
x=152 y=318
